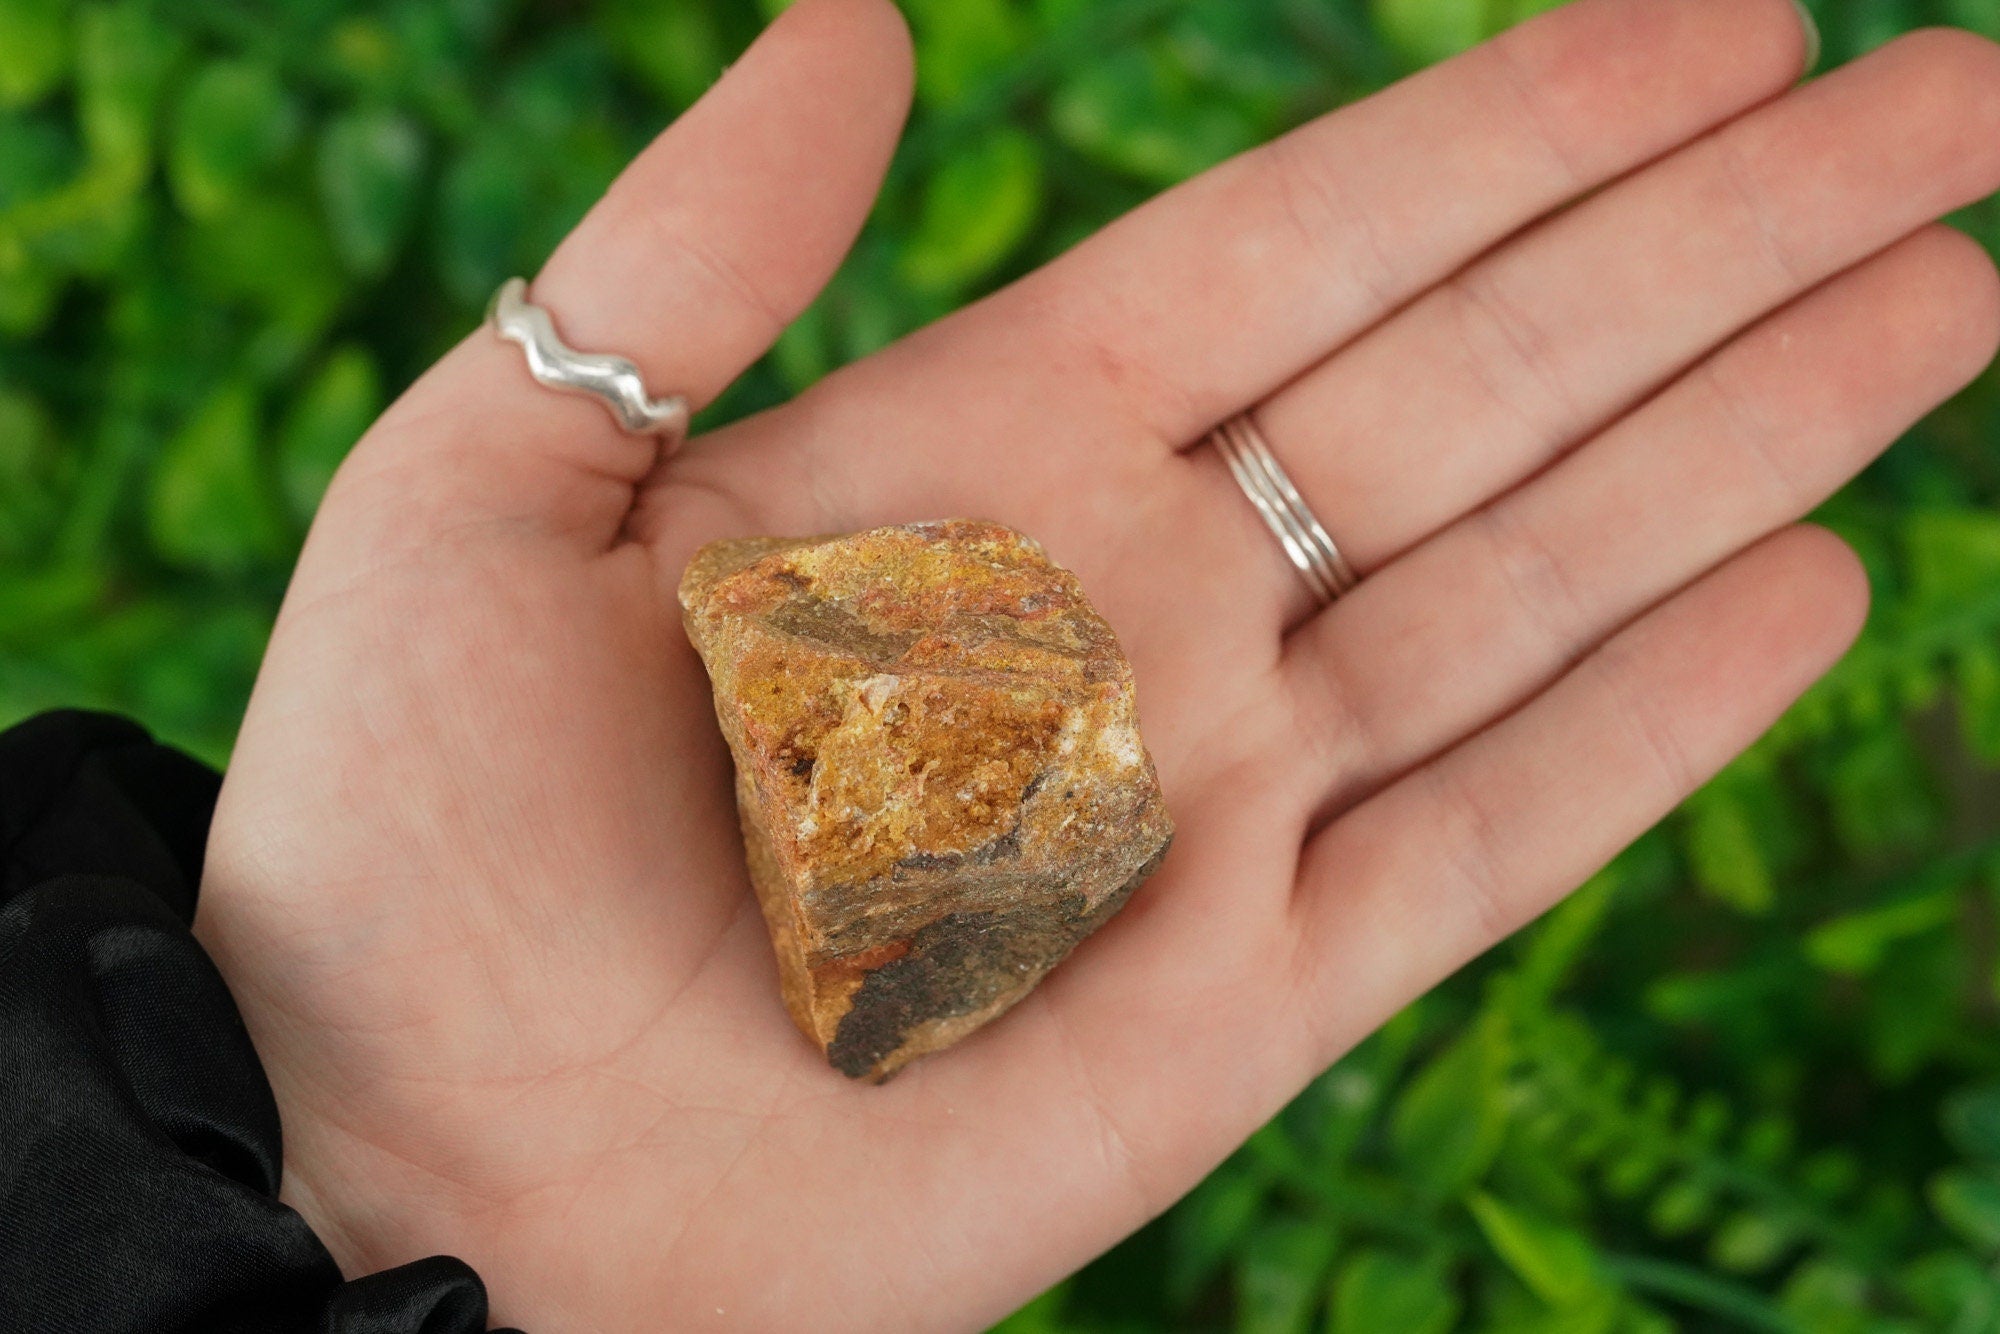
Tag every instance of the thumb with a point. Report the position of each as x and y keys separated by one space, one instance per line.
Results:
x=701 y=252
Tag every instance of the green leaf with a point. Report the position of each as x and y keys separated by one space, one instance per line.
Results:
x=1044 y=1315
x=234 y=121
x=34 y=49
x=1631 y=1318
x=1881 y=795
x=124 y=56
x=803 y=352
x=1830 y=1174
x=1379 y=1291
x=672 y=45
x=1556 y=1263
x=963 y=42
x=1722 y=844
x=1750 y=1242
x=27 y=439
x=371 y=166
x=1281 y=1277
x=1632 y=1174
x=1768 y=1141
x=37 y=607
x=556 y=90
x=478 y=23
x=1209 y=1226
x=869 y=322
x=1969 y=1202
x=1857 y=943
x=1825 y=1298
x=209 y=509
x=37 y=154
x=1511 y=12
x=1972 y=1121
x=1450 y=1121
x=323 y=424
x=34 y=473
x=271 y=252
x=1912 y=1010
x=1952 y=1290
x=1978 y=685
x=1953 y=555
x=28 y=299
x=1425 y=31
x=482 y=213
x=176 y=680
x=977 y=208
x=1681 y=1207
x=426 y=59
x=1134 y=115
x=1707 y=1119
x=1982 y=16
x=1559 y=940
x=362 y=52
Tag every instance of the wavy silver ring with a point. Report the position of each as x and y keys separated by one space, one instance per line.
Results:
x=612 y=380
x=1284 y=511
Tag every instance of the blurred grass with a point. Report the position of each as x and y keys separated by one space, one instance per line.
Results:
x=1747 y=1080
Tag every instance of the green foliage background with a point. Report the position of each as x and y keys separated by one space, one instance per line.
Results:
x=1748 y=1079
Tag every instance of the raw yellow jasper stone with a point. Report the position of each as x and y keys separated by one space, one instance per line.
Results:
x=938 y=769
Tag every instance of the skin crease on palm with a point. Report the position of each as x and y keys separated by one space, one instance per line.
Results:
x=1561 y=338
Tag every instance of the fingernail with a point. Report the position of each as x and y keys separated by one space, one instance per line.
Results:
x=1811 y=26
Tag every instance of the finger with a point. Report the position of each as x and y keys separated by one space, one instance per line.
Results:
x=1464 y=851
x=698 y=255
x=1293 y=248
x=1473 y=622
x=1479 y=384
x=1222 y=289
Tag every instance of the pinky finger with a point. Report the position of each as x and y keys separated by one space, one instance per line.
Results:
x=1460 y=853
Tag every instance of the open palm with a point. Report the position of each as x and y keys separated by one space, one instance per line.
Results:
x=1560 y=338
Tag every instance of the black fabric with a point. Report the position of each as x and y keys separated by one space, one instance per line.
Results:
x=139 y=1142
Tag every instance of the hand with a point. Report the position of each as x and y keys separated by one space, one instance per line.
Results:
x=476 y=878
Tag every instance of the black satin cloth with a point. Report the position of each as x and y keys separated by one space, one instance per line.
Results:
x=139 y=1144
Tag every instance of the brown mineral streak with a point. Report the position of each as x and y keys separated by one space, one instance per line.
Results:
x=939 y=771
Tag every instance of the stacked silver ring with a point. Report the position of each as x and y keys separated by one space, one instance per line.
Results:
x=1264 y=481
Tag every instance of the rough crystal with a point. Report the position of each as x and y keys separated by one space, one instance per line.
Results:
x=938 y=770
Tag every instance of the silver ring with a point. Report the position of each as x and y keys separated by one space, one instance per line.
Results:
x=612 y=380
x=1284 y=511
